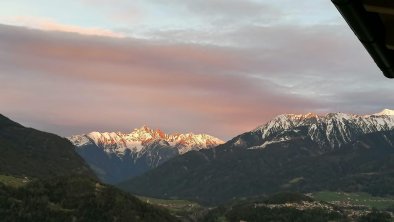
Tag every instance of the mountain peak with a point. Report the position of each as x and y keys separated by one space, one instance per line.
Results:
x=146 y=133
x=387 y=112
x=295 y=116
x=144 y=128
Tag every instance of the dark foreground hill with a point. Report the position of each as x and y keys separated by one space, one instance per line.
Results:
x=74 y=199
x=60 y=186
x=35 y=154
x=216 y=176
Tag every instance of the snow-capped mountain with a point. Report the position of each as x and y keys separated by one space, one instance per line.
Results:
x=116 y=156
x=138 y=140
x=387 y=112
x=329 y=131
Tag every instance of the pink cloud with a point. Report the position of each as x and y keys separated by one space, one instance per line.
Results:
x=72 y=84
x=47 y=24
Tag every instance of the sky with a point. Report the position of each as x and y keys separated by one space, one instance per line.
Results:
x=221 y=67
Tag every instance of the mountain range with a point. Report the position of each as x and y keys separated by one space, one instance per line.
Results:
x=305 y=153
x=329 y=132
x=117 y=156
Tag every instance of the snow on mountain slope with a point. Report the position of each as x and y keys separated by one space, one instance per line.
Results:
x=137 y=140
x=387 y=112
x=330 y=130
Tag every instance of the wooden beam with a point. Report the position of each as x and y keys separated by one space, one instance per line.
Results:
x=388 y=22
x=379 y=6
